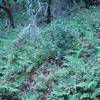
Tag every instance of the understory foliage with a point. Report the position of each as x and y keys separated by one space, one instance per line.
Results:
x=61 y=63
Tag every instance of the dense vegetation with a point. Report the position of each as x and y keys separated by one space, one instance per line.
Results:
x=49 y=57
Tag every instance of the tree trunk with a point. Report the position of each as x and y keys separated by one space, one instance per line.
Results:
x=49 y=12
x=10 y=22
x=6 y=7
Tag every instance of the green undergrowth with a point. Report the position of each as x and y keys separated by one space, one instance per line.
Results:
x=61 y=63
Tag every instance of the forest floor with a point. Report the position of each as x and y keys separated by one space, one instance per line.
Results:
x=61 y=63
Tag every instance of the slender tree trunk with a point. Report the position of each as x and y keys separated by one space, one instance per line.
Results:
x=9 y=14
x=49 y=12
x=10 y=22
x=7 y=8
